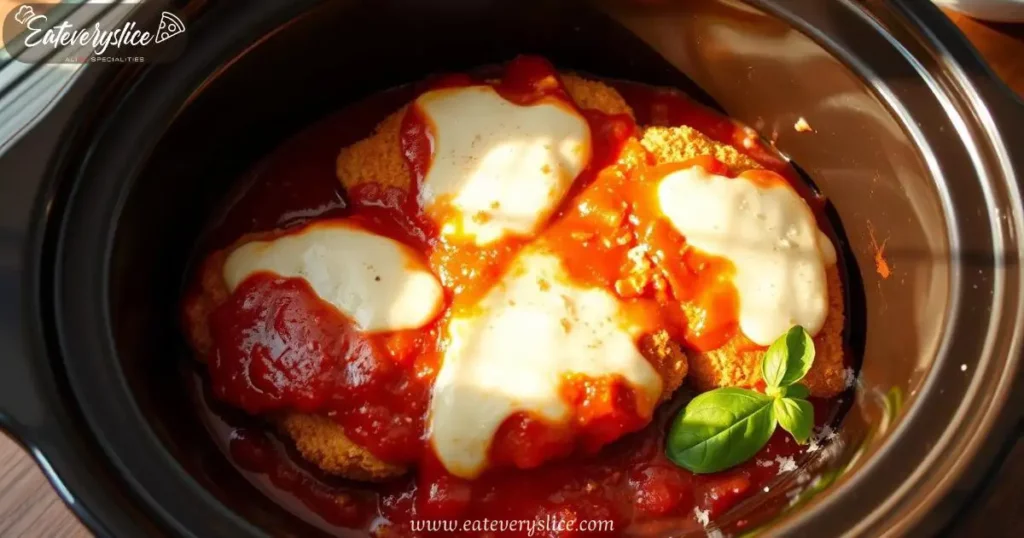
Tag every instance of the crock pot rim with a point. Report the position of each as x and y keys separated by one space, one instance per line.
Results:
x=1000 y=113
x=53 y=447
x=36 y=410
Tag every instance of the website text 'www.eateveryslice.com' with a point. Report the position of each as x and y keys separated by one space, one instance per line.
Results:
x=530 y=527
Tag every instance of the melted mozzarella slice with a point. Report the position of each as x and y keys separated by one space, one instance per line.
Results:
x=769 y=234
x=498 y=168
x=512 y=351
x=377 y=282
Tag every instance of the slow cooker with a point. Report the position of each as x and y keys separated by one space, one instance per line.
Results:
x=915 y=143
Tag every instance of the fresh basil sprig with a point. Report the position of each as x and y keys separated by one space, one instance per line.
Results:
x=788 y=360
x=727 y=426
x=796 y=416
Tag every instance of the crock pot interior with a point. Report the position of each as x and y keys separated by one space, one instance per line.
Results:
x=754 y=66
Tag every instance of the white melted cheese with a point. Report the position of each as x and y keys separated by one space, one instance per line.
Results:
x=502 y=167
x=770 y=236
x=512 y=351
x=375 y=281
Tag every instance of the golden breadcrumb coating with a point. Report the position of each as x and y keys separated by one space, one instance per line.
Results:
x=378 y=158
x=725 y=366
x=668 y=360
x=212 y=293
x=322 y=442
x=591 y=94
x=678 y=144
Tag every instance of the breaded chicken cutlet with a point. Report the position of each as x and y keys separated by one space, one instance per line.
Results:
x=733 y=365
x=323 y=442
x=378 y=159
x=730 y=365
x=319 y=440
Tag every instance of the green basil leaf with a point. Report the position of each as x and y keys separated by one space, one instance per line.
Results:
x=800 y=355
x=797 y=390
x=773 y=365
x=788 y=358
x=796 y=417
x=720 y=429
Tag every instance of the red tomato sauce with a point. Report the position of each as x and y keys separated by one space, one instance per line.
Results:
x=279 y=347
x=630 y=484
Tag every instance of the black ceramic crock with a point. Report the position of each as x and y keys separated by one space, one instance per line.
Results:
x=916 y=145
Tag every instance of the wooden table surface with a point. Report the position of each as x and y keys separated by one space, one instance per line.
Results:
x=29 y=507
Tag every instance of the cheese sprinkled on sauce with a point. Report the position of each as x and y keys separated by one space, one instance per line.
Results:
x=768 y=233
x=498 y=168
x=511 y=353
x=375 y=281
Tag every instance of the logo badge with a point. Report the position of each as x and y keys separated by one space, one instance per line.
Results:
x=89 y=33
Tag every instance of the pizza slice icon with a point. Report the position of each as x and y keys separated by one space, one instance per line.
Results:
x=170 y=26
